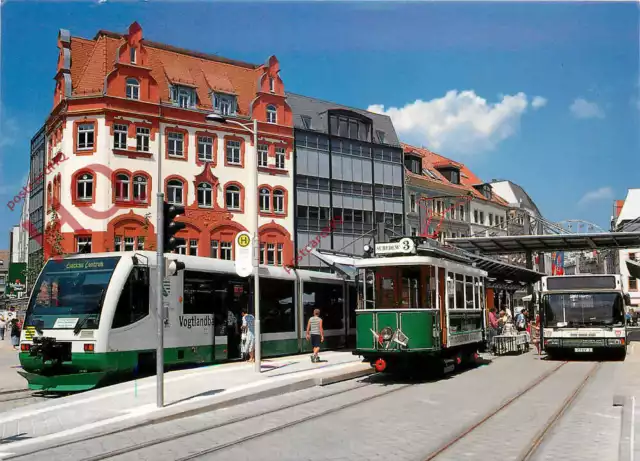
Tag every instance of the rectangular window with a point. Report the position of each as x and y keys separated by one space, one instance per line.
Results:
x=475 y=216
x=175 y=144
x=205 y=148
x=271 y=254
x=262 y=254
x=490 y=219
x=86 y=136
x=461 y=214
x=120 y=136
x=193 y=247
x=129 y=243
x=83 y=244
x=140 y=243
x=633 y=284
x=117 y=244
x=233 y=152
x=263 y=155
x=279 y=254
x=481 y=218
x=226 y=251
x=280 y=157
x=215 y=247
x=412 y=203
x=224 y=104
x=380 y=135
x=142 y=139
x=306 y=121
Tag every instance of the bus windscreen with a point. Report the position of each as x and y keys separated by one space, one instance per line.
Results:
x=604 y=282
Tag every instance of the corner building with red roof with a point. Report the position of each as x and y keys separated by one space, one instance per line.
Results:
x=121 y=102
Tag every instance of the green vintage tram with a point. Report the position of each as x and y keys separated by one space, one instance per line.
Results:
x=419 y=304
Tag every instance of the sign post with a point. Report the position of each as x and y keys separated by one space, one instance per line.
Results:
x=244 y=256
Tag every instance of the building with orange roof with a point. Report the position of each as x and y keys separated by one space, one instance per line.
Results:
x=121 y=103
x=444 y=197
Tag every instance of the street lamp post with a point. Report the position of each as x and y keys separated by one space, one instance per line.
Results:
x=256 y=241
x=160 y=280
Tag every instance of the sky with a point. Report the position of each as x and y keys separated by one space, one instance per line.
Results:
x=543 y=94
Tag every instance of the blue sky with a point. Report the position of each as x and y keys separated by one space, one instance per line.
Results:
x=459 y=78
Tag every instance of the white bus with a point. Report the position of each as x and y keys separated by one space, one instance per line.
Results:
x=584 y=314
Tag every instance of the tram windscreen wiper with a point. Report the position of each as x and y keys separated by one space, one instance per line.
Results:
x=83 y=322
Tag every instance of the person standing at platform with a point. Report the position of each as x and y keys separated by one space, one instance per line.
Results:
x=3 y=326
x=315 y=332
x=248 y=327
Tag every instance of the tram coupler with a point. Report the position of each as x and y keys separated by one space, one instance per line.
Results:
x=48 y=349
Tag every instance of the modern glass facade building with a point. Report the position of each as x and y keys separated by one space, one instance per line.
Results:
x=348 y=178
x=36 y=211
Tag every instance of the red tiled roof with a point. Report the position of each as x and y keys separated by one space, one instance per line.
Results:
x=432 y=161
x=93 y=60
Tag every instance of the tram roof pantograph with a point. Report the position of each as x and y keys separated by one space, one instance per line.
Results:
x=546 y=243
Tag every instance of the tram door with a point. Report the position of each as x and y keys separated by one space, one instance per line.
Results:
x=238 y=299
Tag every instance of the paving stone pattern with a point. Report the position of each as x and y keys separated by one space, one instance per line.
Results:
x=404 y=425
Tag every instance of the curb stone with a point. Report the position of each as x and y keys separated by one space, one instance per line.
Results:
x=626 y=444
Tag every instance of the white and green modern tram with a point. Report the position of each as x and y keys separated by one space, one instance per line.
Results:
x=91 y=318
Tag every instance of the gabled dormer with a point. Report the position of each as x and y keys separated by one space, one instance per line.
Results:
x=449 y=169
x=485 y=190
x=224 y=103
x=183 y=95
x=413 y=162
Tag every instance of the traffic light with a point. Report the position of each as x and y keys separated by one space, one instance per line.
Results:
x=171 y=227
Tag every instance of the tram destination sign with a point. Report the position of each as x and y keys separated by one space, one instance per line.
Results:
x=589 y=282
x=404 y=246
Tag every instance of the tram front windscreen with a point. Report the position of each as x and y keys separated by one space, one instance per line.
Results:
x=70 y=292
x=583 y=309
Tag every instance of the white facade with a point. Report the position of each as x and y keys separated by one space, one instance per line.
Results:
x=629 y=221
x=491 y=219
x=104 y=160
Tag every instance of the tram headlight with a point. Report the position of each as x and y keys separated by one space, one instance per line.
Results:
x=387 y=333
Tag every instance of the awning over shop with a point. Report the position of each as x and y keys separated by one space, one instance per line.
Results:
x=547 y=243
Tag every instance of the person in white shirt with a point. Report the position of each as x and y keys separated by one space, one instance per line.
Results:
x=3 y=327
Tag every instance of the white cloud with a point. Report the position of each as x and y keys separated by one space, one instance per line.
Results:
x=604 y=193
x=581 y=108
x=538 y=102
x=459 y=122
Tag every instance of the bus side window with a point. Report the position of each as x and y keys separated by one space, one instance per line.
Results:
x=133 y=304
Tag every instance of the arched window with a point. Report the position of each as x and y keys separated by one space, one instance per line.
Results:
x=140 y=189
x=123 y=187
x=133 y=88
x=175 y=194
x=272 y=116
x=233 y=198
x=85 y=187
x=278 y=201
x=265 y=200
x=205 y=195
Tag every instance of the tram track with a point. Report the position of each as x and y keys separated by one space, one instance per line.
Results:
x=209 y=427
x=529 y=452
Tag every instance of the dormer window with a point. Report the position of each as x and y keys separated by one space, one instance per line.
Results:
x=224 y=104
x=486 y=191
x=133 y=88
x=380 y=135
x=306 y=121
x=132 y=54
x=452 y=174
x=413 y=163
x=183 y=96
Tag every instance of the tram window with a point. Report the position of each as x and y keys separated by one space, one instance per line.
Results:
x=133 y=304
x=198 y=293
x=469 y=293
x=476 y=290
x=326 y=297
x=459 y=293
x=277 y=306
x=451 y=290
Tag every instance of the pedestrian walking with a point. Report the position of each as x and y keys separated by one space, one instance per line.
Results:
x=248 y=328
x=3 y=327
x=492 y=331
x=15 y=333
x=315 y=333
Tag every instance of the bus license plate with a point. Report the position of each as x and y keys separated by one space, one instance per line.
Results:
x=583 y=349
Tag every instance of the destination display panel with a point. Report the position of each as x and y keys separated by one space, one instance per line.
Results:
x=606 y=282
